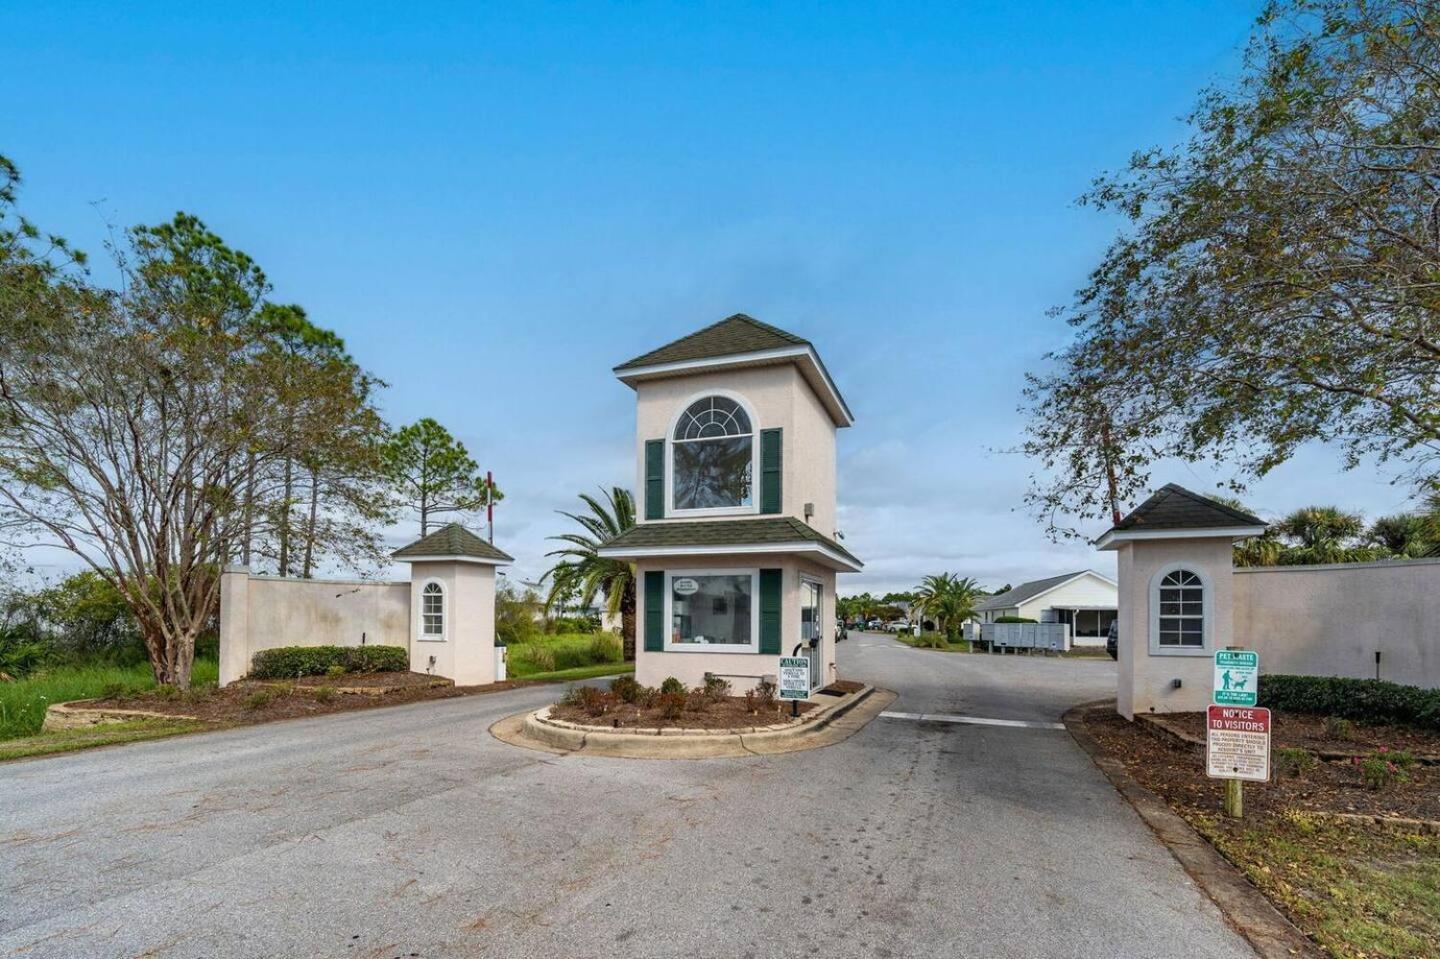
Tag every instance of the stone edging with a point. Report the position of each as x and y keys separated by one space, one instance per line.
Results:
x=76 y=715
x=1266 y=929
x=538 y=729
x=1156 y=724
x=354 y=690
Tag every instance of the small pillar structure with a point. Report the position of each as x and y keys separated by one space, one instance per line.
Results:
x=452 y=604
x=1175 y=559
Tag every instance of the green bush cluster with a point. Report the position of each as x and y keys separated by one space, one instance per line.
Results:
x=574 y=624
x=290 y=662
x=1360 y=700
x=1015 y=619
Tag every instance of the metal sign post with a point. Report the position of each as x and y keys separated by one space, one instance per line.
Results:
x=1237 y=736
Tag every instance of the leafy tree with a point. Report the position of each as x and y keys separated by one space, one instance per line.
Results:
x=1276 y=282
x=89 y=614
x=128 y=417
x=433 y=473
x=580 y=572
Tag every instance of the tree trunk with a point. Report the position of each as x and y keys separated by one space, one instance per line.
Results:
x=310 y=529
x=627 y=622
x=249 y=520
x=285 y=519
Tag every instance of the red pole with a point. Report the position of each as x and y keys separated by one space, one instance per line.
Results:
x=490 y=505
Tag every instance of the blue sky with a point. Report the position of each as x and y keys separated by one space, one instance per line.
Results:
x=496 y=203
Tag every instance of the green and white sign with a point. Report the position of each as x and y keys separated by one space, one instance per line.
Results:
x=1237 y=677
x=794 y=677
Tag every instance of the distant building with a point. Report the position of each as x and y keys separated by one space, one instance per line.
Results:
x=1086 y=601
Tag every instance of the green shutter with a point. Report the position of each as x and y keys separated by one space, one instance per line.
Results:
x=654 y=611
x=770 y=612
x=770 y=473
x=654 y=479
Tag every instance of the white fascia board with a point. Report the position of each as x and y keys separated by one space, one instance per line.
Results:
x=1112 y=537
x=799 y=352
x=483 y=561
x=804 y=546
x=1088 y=572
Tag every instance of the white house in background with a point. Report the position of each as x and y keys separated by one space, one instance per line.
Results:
x=1086 y=601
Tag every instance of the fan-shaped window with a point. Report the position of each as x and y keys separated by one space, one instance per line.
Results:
x=1182 y=611
x=712 y=456
x=432 y=611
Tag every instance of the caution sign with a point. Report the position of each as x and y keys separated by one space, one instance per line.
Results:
x=1237 y=743
x=794 y=677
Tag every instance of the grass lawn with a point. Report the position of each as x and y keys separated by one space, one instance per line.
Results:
x=546 y=654
x=582 y=672
x=924 y=642
x=23 y=703
x=67 y=740
x=1362 y=891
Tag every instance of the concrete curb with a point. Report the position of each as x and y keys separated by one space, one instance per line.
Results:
x=824 y=728
x=1252 y=915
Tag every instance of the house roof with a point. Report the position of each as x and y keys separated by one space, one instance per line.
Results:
x=1176 y=511
x=452 y=541
x=769 y=535
x=1028 y=591
x=735 y=342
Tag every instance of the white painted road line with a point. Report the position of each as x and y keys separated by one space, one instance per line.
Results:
x=970 y=720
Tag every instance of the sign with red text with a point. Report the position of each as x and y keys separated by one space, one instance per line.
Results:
x=1237 y=743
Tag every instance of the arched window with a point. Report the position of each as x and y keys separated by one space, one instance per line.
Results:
x=712 y=458
x=432 y=611
x=1180 y=603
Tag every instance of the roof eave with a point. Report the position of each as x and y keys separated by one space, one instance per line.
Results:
x=827 y=555
x=1112 y=538
x=447 y=558
x=803 y=354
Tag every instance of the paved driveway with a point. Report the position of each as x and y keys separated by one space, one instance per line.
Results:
x=411 y=832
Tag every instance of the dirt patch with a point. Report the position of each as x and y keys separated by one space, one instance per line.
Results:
x=252 y=701
x=1311 y=732
x=843 y=686
x=698 y=712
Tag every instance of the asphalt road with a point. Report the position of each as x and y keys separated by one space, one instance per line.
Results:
x=411 y=832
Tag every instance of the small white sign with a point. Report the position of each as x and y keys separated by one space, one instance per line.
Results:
x=794 y=677
x=685 y=586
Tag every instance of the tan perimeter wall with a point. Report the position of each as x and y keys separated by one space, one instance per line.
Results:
x=1331 y=620
x=262 y=612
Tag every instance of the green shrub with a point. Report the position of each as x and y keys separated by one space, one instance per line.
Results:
x=540 y=658
x=606 y=649
x=292 y=662
x=1335 y=727
x=715 y=688
x=1360 y=700
x=1015 y=619
x=260 y=699
x=672 y=705
x=626 y=689
x=765 y=693
x=574 y=624
x=323 y=694
x=1294 y=762
x=1383 y=769
x=671 y=685
x=931 y=641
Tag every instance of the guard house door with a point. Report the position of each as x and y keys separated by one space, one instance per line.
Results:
x=812 y=632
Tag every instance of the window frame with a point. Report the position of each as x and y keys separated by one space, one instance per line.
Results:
x=671 y=510
x=669 y=616
x=443 y=635
x=1207 y=611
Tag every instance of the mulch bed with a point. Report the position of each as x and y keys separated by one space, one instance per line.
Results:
x=253 y=701
x=1308 y=731
x=728 y=712
x=1176 y=771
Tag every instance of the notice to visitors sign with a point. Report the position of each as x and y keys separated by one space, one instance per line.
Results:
x=1237 y=677
x=794 y=677
x=1237 y=743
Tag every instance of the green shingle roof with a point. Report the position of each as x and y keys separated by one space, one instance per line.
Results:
x=739 y=533
x=453 y=540
x=732 y=335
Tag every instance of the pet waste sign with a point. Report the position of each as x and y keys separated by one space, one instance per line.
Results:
x=1237 y=677
x=794 y=677
x=1237 y=743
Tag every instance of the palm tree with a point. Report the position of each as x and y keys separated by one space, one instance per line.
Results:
x=1404 y=535
x=581 y=572
x=948 y=599
x=1322 y=534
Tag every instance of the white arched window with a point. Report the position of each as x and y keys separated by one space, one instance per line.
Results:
x=712 y=457
x=432 y=611
x=1180 y=611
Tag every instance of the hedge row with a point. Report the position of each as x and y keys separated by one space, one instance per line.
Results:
x=291 y=662
x=1361 y=700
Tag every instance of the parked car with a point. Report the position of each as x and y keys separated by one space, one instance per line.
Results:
x=875 y=625
x=1112 y=639
x=899 y=626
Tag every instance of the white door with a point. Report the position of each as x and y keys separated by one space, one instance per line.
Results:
x=812 y=631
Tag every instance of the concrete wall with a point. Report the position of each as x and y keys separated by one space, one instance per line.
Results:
x=262 y=612
x=743 y=670
x=1331 y=620
x=779 y=397
x=1146 y=678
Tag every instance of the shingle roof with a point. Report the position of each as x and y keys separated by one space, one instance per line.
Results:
x=729 y=532
x=1025 y=591
x=732 y=335
x=1175 y=507
x=455 y=540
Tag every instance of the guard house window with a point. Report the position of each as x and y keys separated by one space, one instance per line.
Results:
x=432 y=611
x=713 y=611
x=712 y=456
x=1182 y=611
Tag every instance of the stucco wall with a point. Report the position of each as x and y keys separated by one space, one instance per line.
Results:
x=743 y=670
x=1146 y=679
x=780 y=398
x=466 y=652
x=1331 y=620
x=262 y=612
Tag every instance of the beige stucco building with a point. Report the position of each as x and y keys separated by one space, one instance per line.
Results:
x=736 y=549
